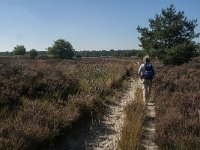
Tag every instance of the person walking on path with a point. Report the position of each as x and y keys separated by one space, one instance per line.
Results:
x=146 y=73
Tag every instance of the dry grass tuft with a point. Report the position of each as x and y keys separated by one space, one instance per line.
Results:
x=135 y=116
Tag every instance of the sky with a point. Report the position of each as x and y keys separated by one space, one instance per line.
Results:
x=86 y=24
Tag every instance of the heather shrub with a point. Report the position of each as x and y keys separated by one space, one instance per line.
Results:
x=177 y=103
x=40 y=98
x=36 y=121
x=10 y=96
x=52 y=84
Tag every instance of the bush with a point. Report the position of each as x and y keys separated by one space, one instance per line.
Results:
x=62 y=49
x=33 y=53
x=19 y=50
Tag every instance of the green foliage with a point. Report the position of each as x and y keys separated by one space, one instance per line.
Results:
x=33 y=53
x=62 y=49
x=168 y=32
x=19 y=50
x=141 y=53
x=179 y=54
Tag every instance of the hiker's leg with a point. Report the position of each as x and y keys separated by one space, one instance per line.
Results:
x=149 y=90
x=144 y=88
x=146 y=91
x=143 y=93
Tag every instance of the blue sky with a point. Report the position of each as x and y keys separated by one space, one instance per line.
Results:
x=87 y=24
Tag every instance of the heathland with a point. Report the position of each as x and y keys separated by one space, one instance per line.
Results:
x=41 y=98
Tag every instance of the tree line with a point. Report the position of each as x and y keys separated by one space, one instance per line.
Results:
x=78 y=54
x=112 y=52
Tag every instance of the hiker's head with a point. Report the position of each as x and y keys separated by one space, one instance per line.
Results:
x=146 y=59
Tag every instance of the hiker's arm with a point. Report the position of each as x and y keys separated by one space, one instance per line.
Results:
x=139 y=70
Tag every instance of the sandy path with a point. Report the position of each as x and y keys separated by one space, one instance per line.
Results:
x=149 y=131
x=104 y=133
x=114 y=122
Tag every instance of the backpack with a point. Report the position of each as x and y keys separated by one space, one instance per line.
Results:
x=148 y=71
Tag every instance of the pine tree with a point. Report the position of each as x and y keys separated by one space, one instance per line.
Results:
x=169 y=36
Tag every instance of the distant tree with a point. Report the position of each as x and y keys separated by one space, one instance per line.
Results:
x=62 y=49
x=33 y=53
x=19 y=50
x=169 y=36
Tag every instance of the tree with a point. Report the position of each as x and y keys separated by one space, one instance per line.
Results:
x=33 y=53
x=62 y=49
x=19 y=50
x=169 y=36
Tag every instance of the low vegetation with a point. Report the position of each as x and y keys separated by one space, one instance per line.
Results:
x=177 y=100
x=40 y=98
x=132 y=128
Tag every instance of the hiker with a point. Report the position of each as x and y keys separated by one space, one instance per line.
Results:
x=146 y=73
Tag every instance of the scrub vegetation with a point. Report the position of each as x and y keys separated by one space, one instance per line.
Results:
x=41 y=98
x=177 y=100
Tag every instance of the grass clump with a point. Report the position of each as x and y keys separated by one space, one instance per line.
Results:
x=132 y=128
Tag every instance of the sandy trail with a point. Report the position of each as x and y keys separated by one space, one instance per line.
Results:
x=114 y=122
x=149 y=131
x=104 y=133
